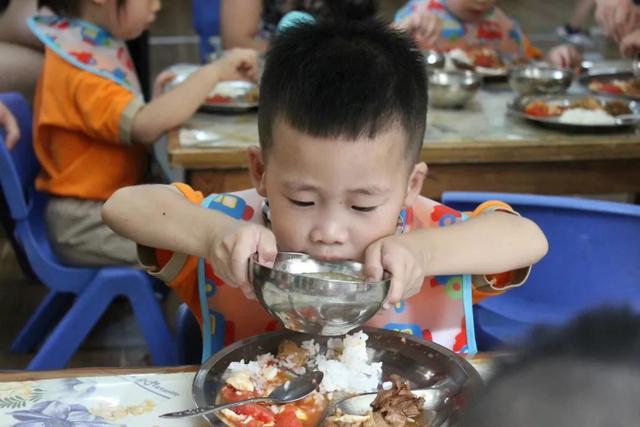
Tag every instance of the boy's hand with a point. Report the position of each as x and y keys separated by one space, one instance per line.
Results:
x=237 y=64
x=395 y=255
x=630 y=44
x=163 y=79
x=230 y=253
x=566 y=56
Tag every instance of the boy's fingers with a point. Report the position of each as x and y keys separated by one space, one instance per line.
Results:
x=267 y=249
x=240 y=262
x=373 y=269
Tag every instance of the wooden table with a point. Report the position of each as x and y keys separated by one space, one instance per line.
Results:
x=479 y=148
x=122 y=396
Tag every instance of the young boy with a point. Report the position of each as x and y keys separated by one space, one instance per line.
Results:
x=337 y=175
x=91 y=124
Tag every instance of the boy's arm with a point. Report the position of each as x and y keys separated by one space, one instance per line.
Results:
x=484 y=244
x=159 y=216
x=173 y=108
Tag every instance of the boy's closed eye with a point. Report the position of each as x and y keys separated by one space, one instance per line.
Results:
x=301 y=203
x=364 y=208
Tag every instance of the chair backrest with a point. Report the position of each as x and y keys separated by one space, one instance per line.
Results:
x=206 y=22
x=18 y=167
x=18 y=170
x=593 y=259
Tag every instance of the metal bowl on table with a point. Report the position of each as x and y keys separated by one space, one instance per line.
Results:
x=540 y=80
x=317 y=297
x=433 y=59
x=452 y=89
x=423 y=363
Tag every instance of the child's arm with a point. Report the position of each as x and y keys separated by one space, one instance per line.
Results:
x=176 y=106
x=159 y=216
x=484 y=244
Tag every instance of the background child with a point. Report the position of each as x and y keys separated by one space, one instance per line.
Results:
x=90 y=123
x=449 y=24
x=341 y=123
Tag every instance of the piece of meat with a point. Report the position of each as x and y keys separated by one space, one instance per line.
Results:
x=293 y=353
x=617 y=108
x=397 y=404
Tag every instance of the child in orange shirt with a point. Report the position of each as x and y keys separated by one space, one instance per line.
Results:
x=91 y=124
x=449 y=24
x=338 y=176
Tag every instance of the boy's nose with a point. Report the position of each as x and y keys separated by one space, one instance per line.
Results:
x=329 y=233
x=157 y=5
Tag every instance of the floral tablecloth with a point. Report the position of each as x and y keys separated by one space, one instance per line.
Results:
x=111 y=400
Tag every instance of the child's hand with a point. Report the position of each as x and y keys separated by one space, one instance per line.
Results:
x=230 y=253
x=630 y=44
x=8 y=122
x=395 y=255
x=566 y=56
x=423 y=25
x=163 y=79
x=238 y=64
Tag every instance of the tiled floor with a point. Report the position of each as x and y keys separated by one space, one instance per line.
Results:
x=116 y=341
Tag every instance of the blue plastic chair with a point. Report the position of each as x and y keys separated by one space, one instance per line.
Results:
x=88 y=291
x=188 y=337
x=593 y=261
x=206 y=21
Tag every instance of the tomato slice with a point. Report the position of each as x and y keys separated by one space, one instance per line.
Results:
x=230 y=394
x=288 y=418
x=255 y=411
x=218 y=99
x=611 y=88
x=538 y=109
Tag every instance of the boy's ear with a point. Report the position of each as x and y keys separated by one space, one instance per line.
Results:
x=257 y=170
x=414 y=186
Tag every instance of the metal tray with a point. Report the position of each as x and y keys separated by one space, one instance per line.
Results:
x=517 y=106
x=238 y=87
x=421 y=362
x=607 y=75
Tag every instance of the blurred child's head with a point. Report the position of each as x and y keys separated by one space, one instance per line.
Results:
x=470 y=10
x=125 y=19
x=341 y=120
x=585 y=375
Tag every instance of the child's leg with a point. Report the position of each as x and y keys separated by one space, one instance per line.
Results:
x=79 y=237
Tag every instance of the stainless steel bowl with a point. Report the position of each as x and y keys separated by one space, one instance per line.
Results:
x=433 y=59
x=317 y=297
x=540 y=80
x=452 y=89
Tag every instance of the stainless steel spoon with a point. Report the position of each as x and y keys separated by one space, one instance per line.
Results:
x=294 y=389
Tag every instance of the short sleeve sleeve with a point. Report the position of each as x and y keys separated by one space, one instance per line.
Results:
x=106 y=109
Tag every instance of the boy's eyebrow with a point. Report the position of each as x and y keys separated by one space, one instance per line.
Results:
x=372 y=190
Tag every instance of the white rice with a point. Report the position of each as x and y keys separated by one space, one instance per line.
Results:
x=582 y=116
x=348 y=369
x=346 y=366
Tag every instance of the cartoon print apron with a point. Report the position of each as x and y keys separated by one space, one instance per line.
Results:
x=441 y=312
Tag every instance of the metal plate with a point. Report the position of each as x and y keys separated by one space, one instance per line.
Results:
x=517 y=106
x=239 y=88
x=607 y=76
x=421 y=362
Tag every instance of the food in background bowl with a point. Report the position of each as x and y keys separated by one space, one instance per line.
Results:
x=625 y=87
x=481 y=59
x=234 y=92
x=584 y=111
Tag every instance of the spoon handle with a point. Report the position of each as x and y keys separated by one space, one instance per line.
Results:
x=212 y=408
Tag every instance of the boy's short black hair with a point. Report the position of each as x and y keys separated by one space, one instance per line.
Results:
x=346 y=79
x=68 y=7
